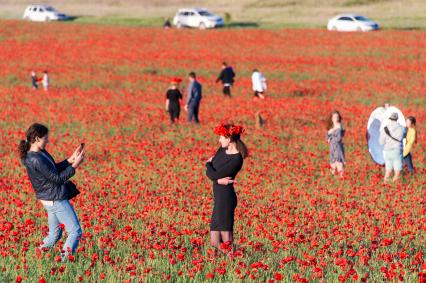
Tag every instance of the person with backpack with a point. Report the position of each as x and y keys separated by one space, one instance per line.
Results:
x=391 y=137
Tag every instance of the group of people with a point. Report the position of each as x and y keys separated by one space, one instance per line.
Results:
x=53 y=188
x=397 y=142
x=194 y=94
x=44 y=80
x=192 y=106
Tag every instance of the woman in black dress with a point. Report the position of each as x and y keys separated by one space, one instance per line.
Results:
x=173 y=96
x=222 y=169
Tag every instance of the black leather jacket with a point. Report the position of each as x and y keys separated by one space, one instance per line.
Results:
x=46 y=176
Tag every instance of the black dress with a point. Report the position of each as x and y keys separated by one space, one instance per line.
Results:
x=225 y=200
x=173 y=95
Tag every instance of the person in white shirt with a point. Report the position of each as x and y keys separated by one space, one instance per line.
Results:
x=45 y=80
x=259 y=84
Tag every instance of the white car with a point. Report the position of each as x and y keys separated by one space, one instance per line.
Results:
x=351 y=22
x=197 y=18
x=43 y=13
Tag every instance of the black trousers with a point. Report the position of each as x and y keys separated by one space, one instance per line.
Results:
x=227 y=90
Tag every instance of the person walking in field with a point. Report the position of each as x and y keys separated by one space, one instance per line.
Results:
x=226 y=76
x=194 y=98
x=34 y=80
x=222 y=168
x=391 y=137
x=259 y=84
x=45 y=80
x=335 y=136
x=52 y=187
x=173 y=97
x=410 y=139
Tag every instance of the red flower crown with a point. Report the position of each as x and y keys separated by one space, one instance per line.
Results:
x=228 y=130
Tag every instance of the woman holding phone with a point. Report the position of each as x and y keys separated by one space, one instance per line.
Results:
x=52 y=188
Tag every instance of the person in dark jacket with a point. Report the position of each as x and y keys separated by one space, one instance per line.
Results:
x=194 y=98
x=48 y=180
x=226 y=76
x=34 y=80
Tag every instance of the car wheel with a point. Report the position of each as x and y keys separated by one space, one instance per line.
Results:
x=47 y=19
x=358 y=29
x=202 y=26
x=334 y=28
x=178 y=25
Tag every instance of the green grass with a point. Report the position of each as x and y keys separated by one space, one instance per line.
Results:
x=121 y=21
x=397 y=23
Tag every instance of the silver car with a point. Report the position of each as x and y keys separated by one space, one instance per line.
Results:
x=197 y=18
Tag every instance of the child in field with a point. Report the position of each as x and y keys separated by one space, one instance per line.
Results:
x=34 y=80
x=45 y=80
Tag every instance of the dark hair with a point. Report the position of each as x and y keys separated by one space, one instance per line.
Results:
x=224 y=64
x=412 y=120
x=34 y=131
x=192 y=75
x=241 y=146
x=330 y=119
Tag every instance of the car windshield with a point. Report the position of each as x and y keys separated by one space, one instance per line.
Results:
x=205 y=13
x=50 y=9
x=362 y=19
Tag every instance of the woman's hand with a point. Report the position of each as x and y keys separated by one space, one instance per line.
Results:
x=225 y=181
x=74 y=155
x=78 y=159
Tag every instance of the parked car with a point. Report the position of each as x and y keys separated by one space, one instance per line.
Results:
x=197 y=18
x=43 y=13
x=351 y=22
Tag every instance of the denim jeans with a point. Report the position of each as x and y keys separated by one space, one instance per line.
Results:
x=408 y=160
x=193 y=112
x=62 y=212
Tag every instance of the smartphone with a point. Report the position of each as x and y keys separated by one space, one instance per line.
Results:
x=82 y=145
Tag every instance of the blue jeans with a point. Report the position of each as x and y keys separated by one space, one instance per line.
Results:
x=408 y=160
x=62 y=212
x=193 y=112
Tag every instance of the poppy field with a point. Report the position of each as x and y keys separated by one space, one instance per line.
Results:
x=145 y=202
